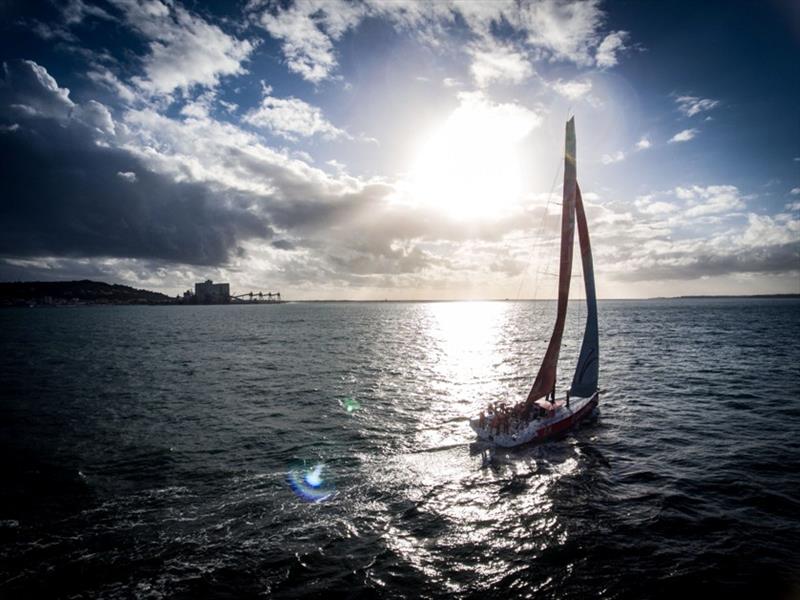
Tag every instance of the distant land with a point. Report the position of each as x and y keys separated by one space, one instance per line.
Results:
x=86 y=292
x=711 y=297
x=69 y=293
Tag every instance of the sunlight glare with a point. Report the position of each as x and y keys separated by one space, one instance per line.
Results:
x=470 y=166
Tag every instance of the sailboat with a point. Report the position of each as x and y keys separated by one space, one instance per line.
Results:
x=541 y=416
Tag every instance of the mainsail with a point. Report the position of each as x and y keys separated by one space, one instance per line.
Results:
x=584 y=383
x=546 y=378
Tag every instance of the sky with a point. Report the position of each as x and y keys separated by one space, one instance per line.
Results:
x=400 y=149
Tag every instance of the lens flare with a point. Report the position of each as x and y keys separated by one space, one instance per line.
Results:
x=351 y=405
x=309 y=483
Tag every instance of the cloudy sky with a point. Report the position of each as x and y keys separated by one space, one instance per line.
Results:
x=402 y=149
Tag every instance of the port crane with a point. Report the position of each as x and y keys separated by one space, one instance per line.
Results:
x=271 y=297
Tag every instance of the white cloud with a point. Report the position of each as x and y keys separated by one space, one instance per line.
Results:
x=185 y=50
x=76 y=11
x=617 y=156
x=643 y=144
x=562 y=30
x=573 y=89
x=33 y=90
x=96 y=115
x=795 y=191
x=568 y=30
x=508 y=119
x=308 y=30
x=710 y=200
x=647 y=205
x=606 y=55
x=683 y=136
x=664 y=242
x=765 y=231
x=103 y=76
x=128 y=176
x=292 y=117
x=692 y=105
x=495 y=62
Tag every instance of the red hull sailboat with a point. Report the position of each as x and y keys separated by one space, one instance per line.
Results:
x=540 y=416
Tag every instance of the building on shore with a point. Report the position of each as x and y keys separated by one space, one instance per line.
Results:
x=209 y=292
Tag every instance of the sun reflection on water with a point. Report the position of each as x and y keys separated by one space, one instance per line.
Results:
x=445 y=501
x=469 y=361
x=454 y=506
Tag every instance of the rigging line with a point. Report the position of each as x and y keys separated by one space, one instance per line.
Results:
x=537 y=247
x=549 y=253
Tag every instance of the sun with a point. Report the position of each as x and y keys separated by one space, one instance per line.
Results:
x=469 y=167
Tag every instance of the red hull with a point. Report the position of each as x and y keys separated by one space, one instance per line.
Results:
x=568 y=423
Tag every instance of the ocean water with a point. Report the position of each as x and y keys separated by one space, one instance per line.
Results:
x=148 y=452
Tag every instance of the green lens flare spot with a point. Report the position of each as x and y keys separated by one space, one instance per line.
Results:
x=350 y=405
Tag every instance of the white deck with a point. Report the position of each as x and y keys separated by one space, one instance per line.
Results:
x=522 y=432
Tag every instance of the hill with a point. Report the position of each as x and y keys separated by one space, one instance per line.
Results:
x=75 y=292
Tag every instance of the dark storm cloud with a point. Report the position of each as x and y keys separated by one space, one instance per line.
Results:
x=53 y=269
x=64 y=193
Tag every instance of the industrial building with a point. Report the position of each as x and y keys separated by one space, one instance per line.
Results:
x=209 y=292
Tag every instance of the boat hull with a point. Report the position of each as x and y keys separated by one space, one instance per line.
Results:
x=540 y=430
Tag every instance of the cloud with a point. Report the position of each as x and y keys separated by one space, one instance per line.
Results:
x=683 y=136
x=72 y=13
x=28 y=89
x=184 y=49
x=128 y=176
x=709 y=200
x=308 y=30
x=556 y=30
x=647 y=205
x=692 y=232
x=75 y=11
x=694 y=259
x=617 y=156
x=495 y=62
x=568 y=30
x=315 y=213
x=96 y=115
x=68 y=193
x=643 y=144
x=692 y=105
x=103 y=76
x=795 y=191
x=767 y=231
x=613 y=43
x=508 y=120
x=572 y=89
x=645 y=251
x=292 y=117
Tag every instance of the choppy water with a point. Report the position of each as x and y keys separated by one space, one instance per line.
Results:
x=146 y=449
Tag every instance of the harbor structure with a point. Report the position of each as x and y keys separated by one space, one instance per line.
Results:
x=209 y=292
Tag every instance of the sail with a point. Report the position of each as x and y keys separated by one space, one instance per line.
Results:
x=546 y=378
x=584 y=383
